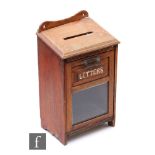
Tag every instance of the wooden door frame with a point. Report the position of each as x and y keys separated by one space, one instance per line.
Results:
x=69 y=89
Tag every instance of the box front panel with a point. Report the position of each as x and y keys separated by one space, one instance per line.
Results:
x=90 y=90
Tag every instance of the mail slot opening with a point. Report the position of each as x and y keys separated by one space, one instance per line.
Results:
x=78 y=35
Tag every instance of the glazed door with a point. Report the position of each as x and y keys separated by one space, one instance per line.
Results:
x=90 y=90
x=89 y=103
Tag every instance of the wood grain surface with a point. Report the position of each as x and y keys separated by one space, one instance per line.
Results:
x=83 y=35
x=51 y=91
x=51 y=24
x=67 y=48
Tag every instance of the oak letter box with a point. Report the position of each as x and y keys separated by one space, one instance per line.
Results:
x=77 y=75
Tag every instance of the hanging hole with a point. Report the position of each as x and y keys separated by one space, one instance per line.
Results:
x=44 y=26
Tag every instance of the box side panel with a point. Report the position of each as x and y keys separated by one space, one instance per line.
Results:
x=51 y=91
x=112 y=123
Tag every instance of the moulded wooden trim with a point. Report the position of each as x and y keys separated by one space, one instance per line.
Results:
x=91 y=54
x=102 y=55
x=90 y=84
x=92 y=122
x=89 y=126
x=112 y=123
x=68 y=85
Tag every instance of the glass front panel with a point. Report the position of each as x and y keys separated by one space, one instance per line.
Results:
x=89 y=103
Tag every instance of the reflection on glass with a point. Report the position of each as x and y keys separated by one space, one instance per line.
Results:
x=89 y=103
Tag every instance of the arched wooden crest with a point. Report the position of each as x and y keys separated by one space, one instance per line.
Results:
x=51 y=24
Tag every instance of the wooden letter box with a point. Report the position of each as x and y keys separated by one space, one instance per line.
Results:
x=77 y=75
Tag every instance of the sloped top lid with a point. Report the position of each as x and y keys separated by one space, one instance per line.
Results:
x=77 y=37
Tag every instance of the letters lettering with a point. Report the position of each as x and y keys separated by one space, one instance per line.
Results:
x=90 y=73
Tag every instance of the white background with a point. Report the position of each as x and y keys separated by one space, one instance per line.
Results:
x=132 y=22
